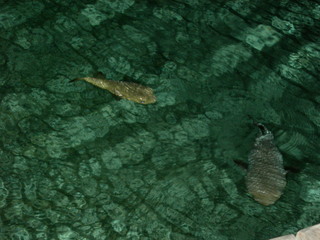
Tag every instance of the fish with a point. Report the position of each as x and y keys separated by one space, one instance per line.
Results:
x=127 y=90
x=266 y=176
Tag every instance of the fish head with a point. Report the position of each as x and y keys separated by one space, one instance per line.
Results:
x=146 y=98
x=266 y=198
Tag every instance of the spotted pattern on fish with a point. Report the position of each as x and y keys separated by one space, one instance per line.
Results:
x=128 y=90
x=265 y=179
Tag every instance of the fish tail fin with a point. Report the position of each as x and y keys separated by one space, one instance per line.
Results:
x=76 y=79
x=262 y=128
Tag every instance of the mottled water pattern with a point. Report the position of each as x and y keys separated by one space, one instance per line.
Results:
x=74 y=164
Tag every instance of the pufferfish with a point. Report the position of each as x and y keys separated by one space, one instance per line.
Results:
x=266 y=177
x=127 y=90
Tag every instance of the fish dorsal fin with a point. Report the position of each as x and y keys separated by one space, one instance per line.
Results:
x=100 y=75
x=241 y=164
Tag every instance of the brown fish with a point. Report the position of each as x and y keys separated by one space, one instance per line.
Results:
x=128 y=90
x=265 y=179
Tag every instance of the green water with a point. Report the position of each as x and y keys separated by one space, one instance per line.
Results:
x=78 y=163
